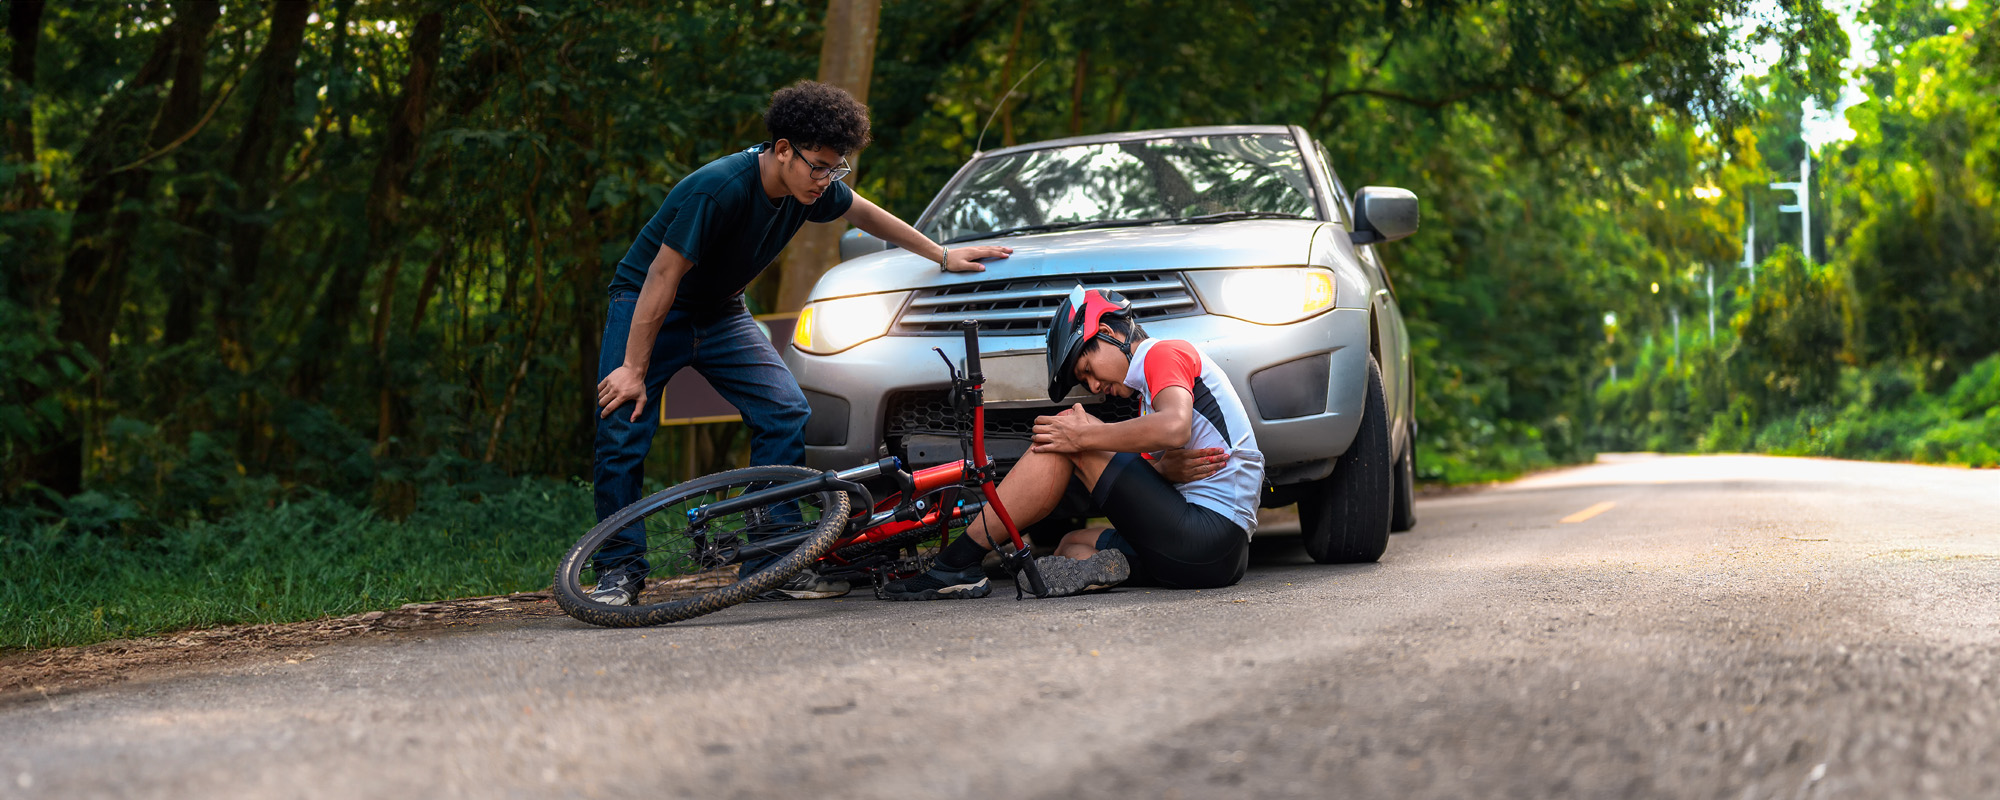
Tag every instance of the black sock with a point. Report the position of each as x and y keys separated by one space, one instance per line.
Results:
x=961 y=553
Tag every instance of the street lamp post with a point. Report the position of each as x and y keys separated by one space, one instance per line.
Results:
x=1610 y=339
x=1677 y=335
x=1709 y=272
x=1750 y=246
x=1802 y=187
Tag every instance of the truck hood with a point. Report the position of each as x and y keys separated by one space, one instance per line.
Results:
x=1246 y=243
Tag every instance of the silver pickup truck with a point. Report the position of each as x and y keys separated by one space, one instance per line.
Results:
x=1239 y=239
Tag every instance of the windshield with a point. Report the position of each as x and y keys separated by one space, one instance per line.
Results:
x=1232 y=175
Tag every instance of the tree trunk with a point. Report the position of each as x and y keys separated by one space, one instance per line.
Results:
x=24 y=30
x=534 y=317
x=343 y=103
x=194 y=269
x=846 y=60
x=1076 y=93
x=251 y=168
x=1117 y=101
x=329 y=330
x=586 y=313
x=96 y=247
x=427 y=287
x=92 y=285
x=385 y=309
x=391 y=406
x=32 y=265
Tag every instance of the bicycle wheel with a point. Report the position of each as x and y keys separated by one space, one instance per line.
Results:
x=693 y=571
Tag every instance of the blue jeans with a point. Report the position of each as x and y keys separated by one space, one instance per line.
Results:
x=733 y=354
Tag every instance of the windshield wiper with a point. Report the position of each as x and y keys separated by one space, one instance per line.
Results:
x=1225 y=216
x=1229 y=216
x=1042 y=228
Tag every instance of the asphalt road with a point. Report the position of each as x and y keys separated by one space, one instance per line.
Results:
x=1721 y=627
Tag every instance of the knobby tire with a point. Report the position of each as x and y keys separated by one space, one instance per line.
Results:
x=573 y=597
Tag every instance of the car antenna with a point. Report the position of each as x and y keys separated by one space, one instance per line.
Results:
x=1003 y=101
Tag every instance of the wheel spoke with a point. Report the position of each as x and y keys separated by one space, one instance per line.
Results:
x=693 y=569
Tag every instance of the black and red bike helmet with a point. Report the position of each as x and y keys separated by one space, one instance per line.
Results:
x=1073 y=326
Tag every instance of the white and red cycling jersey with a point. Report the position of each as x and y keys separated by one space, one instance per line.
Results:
x=1219 y=421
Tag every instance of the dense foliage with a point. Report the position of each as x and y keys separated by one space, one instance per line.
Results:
x=1886 y=344
x=276 y=255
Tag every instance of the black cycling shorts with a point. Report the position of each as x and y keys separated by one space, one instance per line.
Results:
x=1169 y=540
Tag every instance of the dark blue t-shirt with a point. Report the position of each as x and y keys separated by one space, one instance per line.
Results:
x=720 y=219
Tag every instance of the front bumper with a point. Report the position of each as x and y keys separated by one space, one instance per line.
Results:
x=1299 y=446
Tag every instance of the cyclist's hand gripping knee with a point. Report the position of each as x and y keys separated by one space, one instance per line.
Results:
x=1063 y=432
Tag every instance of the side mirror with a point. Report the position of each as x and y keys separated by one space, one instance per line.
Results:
x=1383 y=214
x=856 y=243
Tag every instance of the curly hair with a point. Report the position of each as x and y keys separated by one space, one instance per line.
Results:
x=811 y=114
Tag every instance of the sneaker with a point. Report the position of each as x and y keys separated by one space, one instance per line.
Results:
x=618 y=587
x=807 y=585
x=1067 y=576
x=940 y=584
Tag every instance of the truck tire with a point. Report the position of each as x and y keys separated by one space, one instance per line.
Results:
x=1346 y=518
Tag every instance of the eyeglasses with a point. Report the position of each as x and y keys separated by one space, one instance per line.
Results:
x=820 y=173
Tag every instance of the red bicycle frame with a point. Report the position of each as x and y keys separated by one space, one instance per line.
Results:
x=979 y=471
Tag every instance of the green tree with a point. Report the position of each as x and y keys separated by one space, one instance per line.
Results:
x=1789 y=339
x=356 y=241
x=1922 y=181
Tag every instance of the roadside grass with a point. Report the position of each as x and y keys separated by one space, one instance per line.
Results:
x=63 y=583
x=1886 y=412
x=1491 y=462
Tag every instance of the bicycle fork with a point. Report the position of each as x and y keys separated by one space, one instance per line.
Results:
x=1020 y=562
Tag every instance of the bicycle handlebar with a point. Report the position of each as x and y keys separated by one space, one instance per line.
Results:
x=972 y=373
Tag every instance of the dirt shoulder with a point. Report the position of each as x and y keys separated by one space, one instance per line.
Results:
x=44 y=673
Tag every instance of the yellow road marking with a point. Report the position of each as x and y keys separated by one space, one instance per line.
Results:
x=1590 y=512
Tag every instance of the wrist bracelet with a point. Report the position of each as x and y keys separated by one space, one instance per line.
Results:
x=945 y=259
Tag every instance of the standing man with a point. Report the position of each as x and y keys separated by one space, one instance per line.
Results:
x=677 y=300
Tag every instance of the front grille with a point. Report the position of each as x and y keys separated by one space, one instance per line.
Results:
x=1022 y=306
x=930 y=412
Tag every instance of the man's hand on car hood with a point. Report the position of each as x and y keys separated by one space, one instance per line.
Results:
x=966 y=259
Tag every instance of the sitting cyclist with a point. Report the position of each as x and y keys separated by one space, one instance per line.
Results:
x=1181 y=520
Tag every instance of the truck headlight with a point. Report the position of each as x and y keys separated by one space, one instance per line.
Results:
x=830 y=326
x=1265 y=295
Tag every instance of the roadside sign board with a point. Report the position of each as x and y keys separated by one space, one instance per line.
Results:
x=688 y=398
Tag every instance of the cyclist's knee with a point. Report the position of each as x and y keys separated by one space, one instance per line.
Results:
x=1080 y=544
x=1089 y=465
